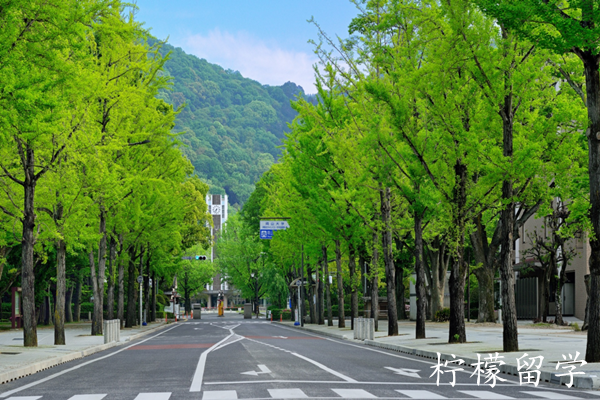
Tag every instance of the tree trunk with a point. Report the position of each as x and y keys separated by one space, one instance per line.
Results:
x=592 y=84
x=420 y=271
x=340 y=283
x=375 y=281
x=154 y=286
x=110 y=297
x=121 y=285
x=77 y=297
x=130 y=321
x=27 y=274
x=98 y=278
x=320 y=313
x=510 y=339
x=188 y=306
x=69 y=305
x=388 y=258
x=354 y=282
x=439 y=266
x=587 y=303
x=457 y=332
x=485 y=273
x=327 y=287
x=485 y=279
x=61 y=284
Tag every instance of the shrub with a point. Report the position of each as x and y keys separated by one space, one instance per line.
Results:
x=287 y=315
x=442 y=315
x=575 y=326
x=86 y=307
x=170 y=315
x=277 y=312
x=160 y=314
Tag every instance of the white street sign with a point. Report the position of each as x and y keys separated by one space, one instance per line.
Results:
x=405 y=371
x=274 y=225
x=263 y=370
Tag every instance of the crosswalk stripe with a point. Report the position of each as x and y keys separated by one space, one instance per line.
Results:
x=485 y=394
x=420 y=394
x=550 y=395
x=88 y=397
x=219 y=395
x=354 y=394
x=154 y=396
x=24 y=398
x=287 y=394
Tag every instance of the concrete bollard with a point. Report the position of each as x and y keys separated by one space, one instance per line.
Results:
x=358 y=329
x=364 y=328
x=370 y=329
x=112 y=330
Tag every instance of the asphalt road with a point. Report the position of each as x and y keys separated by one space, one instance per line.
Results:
x=233 y=358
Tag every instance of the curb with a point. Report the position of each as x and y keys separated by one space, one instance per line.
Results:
x=545 y=376
x=54 y=361
x=328 y=334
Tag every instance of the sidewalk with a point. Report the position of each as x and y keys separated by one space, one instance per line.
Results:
x=17 y=361
x=483 y=339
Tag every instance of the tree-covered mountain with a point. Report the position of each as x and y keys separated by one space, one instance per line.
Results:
x=232 y=125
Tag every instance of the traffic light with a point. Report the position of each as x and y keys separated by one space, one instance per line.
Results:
x=201 y=258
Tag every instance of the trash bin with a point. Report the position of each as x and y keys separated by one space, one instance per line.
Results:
x=197 y=311
x=247 y=311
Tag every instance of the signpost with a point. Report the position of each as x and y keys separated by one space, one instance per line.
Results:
x=268 y=227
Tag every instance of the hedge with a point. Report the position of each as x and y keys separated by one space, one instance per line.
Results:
x=277 y=312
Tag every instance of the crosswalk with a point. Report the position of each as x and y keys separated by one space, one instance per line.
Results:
x=295 y=393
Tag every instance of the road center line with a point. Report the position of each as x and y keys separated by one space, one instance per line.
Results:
x=199 y=374
x=46 y=379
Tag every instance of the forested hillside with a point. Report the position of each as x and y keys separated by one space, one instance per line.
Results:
x=232 y=125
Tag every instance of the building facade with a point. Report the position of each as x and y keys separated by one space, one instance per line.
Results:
x=218 y=207
x=529 y=275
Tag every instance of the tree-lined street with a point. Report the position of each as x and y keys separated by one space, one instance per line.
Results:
x=228 y=358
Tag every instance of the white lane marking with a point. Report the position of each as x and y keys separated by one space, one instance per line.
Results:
x=368 y=348
x=287 y=394
x=263 y=370
x=24 y=398
x=405 y=371
x=199 y=374
x=324 y=368
x=88 y=397
x=220 y=395
x=46 y=379
x=342 y=382
x=154 y=396
x=485 y=394
x=354 y=394
x=237 y=339
x=550 y=395
x=420 y=394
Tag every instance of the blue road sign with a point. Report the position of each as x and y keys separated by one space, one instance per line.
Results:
x=266 y=234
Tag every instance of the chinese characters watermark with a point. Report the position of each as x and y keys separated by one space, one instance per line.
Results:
x=488 y=368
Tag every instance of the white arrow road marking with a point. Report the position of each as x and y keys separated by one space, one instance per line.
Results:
x=263 y=370
x=405 y=371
